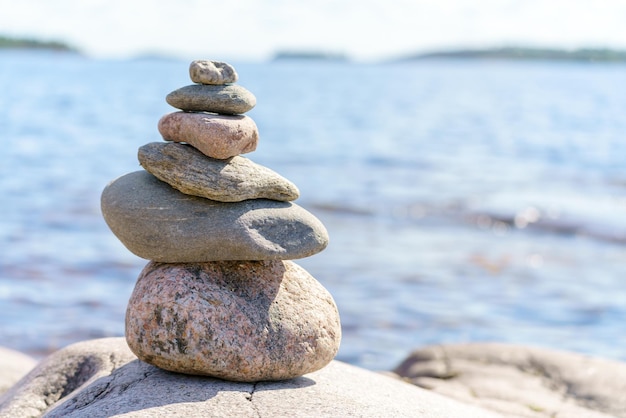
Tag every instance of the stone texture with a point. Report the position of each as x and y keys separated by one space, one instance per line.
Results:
x=231 y=99
x=157 y=222
x=231 y=180
x=217 y=136
x=236 y=320
x=519 y=381
x=60 y=374
x=114 y=383
x=212 y=72
x=13 y=366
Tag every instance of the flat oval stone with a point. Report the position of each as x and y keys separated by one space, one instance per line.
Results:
x=231 y=180
x=217 y=136
x=157 y=222
x=231 y=99
x=212 y=72
x=242 y=321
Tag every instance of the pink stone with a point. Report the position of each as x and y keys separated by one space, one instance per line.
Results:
x=217 y=136
x=235 y=320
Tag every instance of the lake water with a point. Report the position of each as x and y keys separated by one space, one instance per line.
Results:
x=465 y=201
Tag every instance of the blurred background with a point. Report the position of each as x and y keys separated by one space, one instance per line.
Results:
x=467 y=160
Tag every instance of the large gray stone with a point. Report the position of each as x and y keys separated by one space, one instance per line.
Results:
x=212 y=72
x=157 y=222
x=520 y=381
x=216 y=136
x=232 y=180
x=101 y=378
x=13 y=365
x=237 y=320
x=231 y=99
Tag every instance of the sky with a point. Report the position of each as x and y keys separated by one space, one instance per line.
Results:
x=364 y=30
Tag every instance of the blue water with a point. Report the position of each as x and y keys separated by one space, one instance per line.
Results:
x=465 y=201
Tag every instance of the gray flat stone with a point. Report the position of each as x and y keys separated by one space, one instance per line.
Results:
x=520 y=381
x=212 y=72
x=13 y=366
x=231 y=180
x=237 y=320
x=157 y=222
x=231 y=99
x=101 y=378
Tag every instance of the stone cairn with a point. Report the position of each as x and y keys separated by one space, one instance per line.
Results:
x=220 y=296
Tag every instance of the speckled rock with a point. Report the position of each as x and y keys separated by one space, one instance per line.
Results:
x=157 y=222
x=217 y=136
x=241 y=321
x=232 y=180
x=212 y=72
x=231 y=99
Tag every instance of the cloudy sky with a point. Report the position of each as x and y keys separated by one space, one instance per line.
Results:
x=362 y=29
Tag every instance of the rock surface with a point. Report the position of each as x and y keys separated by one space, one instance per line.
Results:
x=520 y=381
x=212 y=72
x=217 y=136
x=101 y=378
x=237 y=320
x=61 y=373
x=157 y=222
x=231 y=180
x=231 y=99
x=13 y=366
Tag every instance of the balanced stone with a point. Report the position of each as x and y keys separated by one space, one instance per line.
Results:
x=157 y=222
x=212 y=72
x=216 y=136
x=232 y=180
x=240 y=321
x=228 y=99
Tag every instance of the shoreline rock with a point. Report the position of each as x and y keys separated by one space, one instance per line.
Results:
x=13 y=366
x=102 y=378
x=521 y=381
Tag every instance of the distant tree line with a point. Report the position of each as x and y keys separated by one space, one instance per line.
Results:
x=309 y=55
x=521 y=53
x=25 y=43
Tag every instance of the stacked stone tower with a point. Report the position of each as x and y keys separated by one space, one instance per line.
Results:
x=220 y=295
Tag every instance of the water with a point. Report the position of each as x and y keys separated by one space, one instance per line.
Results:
x=465 y=201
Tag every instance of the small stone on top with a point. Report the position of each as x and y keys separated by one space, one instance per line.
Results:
x=212 y=72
